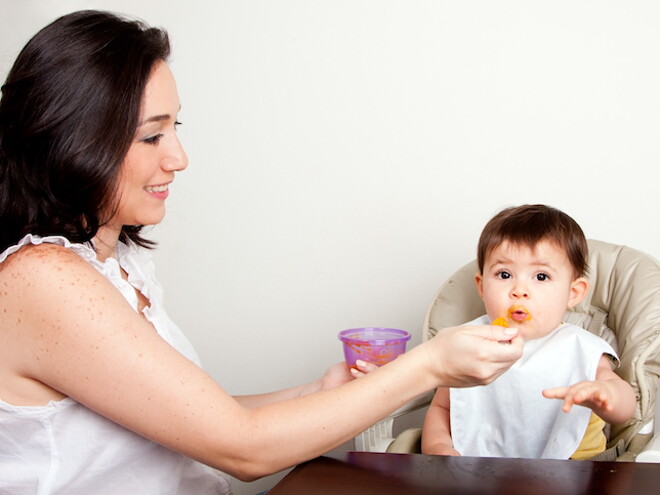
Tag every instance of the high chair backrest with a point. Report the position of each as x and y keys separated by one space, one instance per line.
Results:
x=624 y=296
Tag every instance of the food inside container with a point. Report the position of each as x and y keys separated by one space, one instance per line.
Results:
x=375 y=345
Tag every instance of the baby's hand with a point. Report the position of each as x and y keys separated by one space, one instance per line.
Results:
x=362 y=368
x=587 y=393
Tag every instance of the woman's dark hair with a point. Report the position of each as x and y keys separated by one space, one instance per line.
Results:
x=68 y=114
x=527 y=225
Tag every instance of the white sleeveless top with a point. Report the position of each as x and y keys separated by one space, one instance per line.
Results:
x=65 y=448
x=511 y=418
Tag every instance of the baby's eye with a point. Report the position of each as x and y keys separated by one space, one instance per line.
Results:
x=504 y=275
x=542 y=277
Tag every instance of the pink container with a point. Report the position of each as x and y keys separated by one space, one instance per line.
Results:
x=374 y=345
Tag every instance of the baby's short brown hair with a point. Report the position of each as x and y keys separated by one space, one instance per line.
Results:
x=527 y=225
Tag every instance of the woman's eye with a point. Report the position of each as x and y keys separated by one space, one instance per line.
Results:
x=503 y=275
x=153 y=139
x=542 y=277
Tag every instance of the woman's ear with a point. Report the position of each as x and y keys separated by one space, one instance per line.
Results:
x=578 y=291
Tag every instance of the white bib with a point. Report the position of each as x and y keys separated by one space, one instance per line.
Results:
x=511 y=418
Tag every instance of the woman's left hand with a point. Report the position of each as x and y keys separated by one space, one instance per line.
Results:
x=341 y=373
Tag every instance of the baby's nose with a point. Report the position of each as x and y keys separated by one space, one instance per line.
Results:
x=520 y=291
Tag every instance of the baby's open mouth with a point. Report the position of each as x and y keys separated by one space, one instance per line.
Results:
x=516 y=313
x=519 y=314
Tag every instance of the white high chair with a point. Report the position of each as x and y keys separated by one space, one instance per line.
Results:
x=622 y=306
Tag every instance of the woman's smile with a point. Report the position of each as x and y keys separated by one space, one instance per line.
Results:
x=160 y=192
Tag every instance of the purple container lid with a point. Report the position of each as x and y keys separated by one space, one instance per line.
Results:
x=374 y=335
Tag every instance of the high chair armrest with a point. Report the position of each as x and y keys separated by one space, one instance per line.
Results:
x=378 y=437
x=651 y=452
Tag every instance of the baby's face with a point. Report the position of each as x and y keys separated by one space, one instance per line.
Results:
x=530 y=288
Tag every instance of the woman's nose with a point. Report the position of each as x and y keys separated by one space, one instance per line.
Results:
x=176 y=159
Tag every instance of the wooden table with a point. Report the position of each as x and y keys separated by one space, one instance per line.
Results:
x=363 y=473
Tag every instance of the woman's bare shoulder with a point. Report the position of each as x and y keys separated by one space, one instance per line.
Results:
x=38 y=277
x=39 y=257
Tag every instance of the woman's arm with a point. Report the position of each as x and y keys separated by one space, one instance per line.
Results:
x=336 y=375
x=73 y=331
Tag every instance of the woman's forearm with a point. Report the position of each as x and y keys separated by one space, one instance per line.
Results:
x=280 y=434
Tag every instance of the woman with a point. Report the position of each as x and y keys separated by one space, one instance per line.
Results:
x=99 y=390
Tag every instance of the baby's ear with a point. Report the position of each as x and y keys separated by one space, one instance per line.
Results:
x=479 y=280
x=578 y=291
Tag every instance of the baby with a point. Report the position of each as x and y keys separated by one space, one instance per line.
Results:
x=532 y=264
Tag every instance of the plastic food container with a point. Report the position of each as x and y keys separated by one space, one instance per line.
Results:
x=373 y=344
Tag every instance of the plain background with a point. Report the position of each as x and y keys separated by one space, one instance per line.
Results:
x=344 y=155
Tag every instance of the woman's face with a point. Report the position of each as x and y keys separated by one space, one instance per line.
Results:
x=153 y=157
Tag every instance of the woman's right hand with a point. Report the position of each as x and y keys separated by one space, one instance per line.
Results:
x=472 y=355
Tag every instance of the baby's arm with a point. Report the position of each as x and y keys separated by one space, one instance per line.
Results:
x=436 y=434
x=608 y=395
